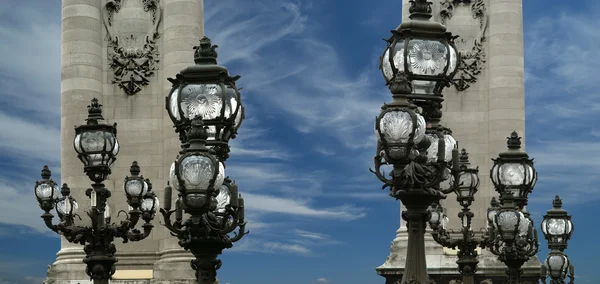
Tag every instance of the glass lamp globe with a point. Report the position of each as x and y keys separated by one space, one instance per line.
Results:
x=150 y=204
x=398 y=129
x=135 y=187
x=67 y=206
x=196 y=176
x=96 y=143
x=47 y=191
x=506 y=222
x=557 y=226
x=513 y=171
x=423 y=51
x=448 y=145
x=557 y=265
x=206 y=90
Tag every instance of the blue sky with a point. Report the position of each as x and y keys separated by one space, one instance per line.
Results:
x=312 y=91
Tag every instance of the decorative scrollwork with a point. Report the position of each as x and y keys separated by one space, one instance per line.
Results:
x=473 y=55
x=132 y=58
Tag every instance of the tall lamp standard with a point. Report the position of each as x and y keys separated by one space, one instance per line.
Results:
x=419 y=61
x=97 y=146
x=465 y=187
x=557 y=228
x=205 y=107
x=514 y=239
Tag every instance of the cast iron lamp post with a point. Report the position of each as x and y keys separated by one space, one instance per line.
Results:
x=465 y=187
x=514 y=238
x=97 y=146
x=557 y=228
x=206 y=110
x=419 y=61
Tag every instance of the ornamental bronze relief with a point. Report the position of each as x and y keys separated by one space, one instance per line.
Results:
x=470 y=42
x=132 y=29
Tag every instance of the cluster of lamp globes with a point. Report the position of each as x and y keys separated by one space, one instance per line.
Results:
x=429 y=65
x=198 y=172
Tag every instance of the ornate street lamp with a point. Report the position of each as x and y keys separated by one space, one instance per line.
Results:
x=206 y=90
x=420 y=56
x=464 y=184
x=97 y=147
x=211 y=201
x=514 y=172
x=514 y=239
x=557 y=228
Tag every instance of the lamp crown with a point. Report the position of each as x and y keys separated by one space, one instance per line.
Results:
x=205 y=52
x=134 y=169
x=65 y=190
x=94 y=111
x=46 y=173
x=464 y=157
x=514 y=141
x=557 y=202
x=420 y=9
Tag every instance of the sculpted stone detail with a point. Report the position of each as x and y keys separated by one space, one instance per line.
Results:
x=132 y=51
x=472 y=53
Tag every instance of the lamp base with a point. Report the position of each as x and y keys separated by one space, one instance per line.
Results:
x=442 y=267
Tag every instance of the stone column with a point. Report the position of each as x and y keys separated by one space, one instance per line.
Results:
x=183 y=27
x=81 y=80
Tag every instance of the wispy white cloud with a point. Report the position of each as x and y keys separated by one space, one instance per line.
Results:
x=261 y=246
x=563 y=97
x=322 y=280
x=272 y=204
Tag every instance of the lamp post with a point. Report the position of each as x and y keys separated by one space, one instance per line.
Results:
x=557 y=228
x=205 y=107
x=419 y=61
x=97 y=146
x=465 y=187
x=514 y=239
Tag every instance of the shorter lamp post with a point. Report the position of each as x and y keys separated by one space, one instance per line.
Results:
x=557 y=228
x=465 y=183
x=513 y=238
x=209 y=198
x=97 y=147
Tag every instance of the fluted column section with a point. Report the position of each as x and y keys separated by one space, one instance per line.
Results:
x=506 y=69
x=183 y=24
x=81 y=80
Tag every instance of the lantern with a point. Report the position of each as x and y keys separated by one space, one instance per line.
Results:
x=206 y=90
x=514 y=172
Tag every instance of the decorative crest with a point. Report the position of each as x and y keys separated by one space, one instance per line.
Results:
x=420 y=9
x=514 y=141
x=132 y=54
x=557 y=202
x=205 y=52
x=94 y=110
